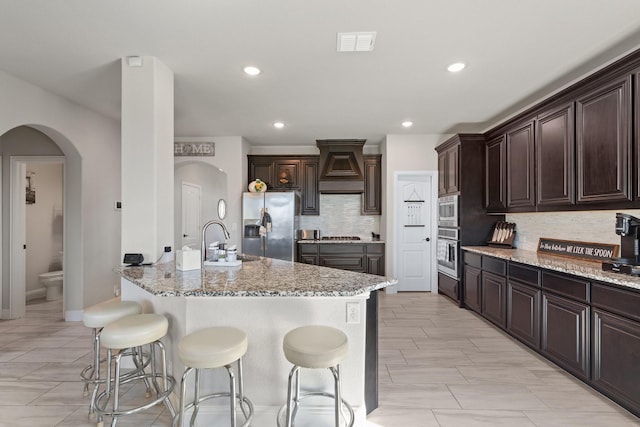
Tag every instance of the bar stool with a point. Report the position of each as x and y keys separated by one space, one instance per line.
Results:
x=210 y=348
x=97 y=317
x=315 y=347
x=130 y=332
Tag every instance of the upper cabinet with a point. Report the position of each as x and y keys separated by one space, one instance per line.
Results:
x=495 y=177
x=555 y=183
x=579 y=149
x=603 y=143
x=372 y=196
x=448 y=170
x=520 y=166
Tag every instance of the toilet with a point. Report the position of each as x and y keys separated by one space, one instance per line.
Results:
x=52 y=281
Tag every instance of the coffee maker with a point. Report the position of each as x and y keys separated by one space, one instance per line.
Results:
x=628 y=228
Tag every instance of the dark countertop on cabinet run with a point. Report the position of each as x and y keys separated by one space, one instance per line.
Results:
x=263 y=277
x=577 y=267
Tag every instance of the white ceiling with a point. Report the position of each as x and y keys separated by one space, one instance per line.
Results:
x=516 y=51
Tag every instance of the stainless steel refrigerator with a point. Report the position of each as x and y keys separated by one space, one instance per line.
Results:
x=277 y=237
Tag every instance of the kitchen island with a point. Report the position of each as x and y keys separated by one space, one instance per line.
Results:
x=266 y=298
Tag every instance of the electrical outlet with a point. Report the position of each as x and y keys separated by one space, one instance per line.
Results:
x=353 y=312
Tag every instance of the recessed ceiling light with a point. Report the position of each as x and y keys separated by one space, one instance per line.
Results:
x=278 y=125
x=252 y=71
x=455 y=67
x=407 y=124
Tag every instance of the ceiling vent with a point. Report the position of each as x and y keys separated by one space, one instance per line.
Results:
x=356 y=42
x=341 y=166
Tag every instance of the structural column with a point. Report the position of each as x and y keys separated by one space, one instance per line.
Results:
x=147 y=157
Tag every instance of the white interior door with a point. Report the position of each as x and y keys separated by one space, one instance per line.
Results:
x=191 y=207
x=414 y=212
x=17 y=304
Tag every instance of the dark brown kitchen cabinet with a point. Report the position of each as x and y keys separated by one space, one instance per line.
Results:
x=603 y=143
x=449 y=286
x=308 y=253
x=287 y=172
x=523 y=312
x=495 y=176
x=448 y=171
x=520 y=167
x=493 y=297
x=555 y=156
x=262 y=169
x=565 y=333
x=472 y=287
x=375 y=259
x=310 y=198
x=616 y=357
x=372 y=196
x=358 y=257
x=636 y=126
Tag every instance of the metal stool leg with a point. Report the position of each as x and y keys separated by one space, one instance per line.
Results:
x=232 y=394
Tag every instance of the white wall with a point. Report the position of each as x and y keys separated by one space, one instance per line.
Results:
x=403 y=153
x=91 y=145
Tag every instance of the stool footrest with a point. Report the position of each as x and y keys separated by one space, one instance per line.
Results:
x=161 y=396
x=244 y=401
x=302 y=396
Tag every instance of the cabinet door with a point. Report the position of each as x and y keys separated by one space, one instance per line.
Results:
x=372 y=197
x=262 y=169
x=555 y=155
x=310 y=203
x=453 y=155
x=308 y=259
x=616 y=357
x=523 y=312
x=603 y=143
x=493 y=295
x=520 y=167
x=565 y=333
x=286 y=174
x=442 y=173
x=375 y=264
x=495 y=175
x=471 y=293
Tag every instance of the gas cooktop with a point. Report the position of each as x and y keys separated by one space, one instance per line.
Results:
x=340 y=238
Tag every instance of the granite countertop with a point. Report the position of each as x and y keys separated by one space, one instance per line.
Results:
x=262 y=277
x=341 y=241
x=577 y=267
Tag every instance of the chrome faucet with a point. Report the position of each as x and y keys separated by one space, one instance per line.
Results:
x=204 y=233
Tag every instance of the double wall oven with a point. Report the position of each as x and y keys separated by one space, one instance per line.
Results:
x=448 y=242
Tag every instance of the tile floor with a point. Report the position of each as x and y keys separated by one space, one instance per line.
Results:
x=440 y=366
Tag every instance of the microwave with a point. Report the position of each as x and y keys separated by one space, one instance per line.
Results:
x=448 y=211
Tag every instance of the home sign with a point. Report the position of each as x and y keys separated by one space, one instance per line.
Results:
x=200 y=149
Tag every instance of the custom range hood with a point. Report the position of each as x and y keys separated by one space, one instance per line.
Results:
x=341 y=166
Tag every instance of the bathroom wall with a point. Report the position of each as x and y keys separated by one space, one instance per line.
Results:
x=583 y=226
x=44 y=223
x=340 y=216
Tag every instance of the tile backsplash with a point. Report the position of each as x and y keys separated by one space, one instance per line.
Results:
x=340 y=215
x=583 y=226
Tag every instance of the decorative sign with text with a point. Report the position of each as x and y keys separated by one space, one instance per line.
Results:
x=584 y=250
x=194 y=149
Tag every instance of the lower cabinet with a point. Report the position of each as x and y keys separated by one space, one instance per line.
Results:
x=616 y=357
x=358 y=257
x=523 y=312
x=448 y=286
x=565 y=333
x=493 y=293
x=472 y=288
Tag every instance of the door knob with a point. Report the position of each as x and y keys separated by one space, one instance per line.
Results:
x=428 y=239
x=185 y=235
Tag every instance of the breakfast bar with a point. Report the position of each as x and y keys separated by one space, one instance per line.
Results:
x=266 y=298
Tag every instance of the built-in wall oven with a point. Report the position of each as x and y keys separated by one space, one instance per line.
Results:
x=447 y=252
x=448 y=211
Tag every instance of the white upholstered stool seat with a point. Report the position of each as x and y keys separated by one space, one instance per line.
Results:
x=130 y=332
x=209 y=348
x=97 y=317
x=315 y=347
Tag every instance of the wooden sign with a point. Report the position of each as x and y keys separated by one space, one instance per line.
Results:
x=583 y=250
x=198 y=149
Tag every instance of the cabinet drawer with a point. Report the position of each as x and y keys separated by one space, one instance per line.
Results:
x=528 y=275
x=494 y=265
x=338 y=248
x=344 y=262
x=307 y=248
x=448 y=286
x=375 y=248
x=473 y=259
x=619 y=301
x=567 y=286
